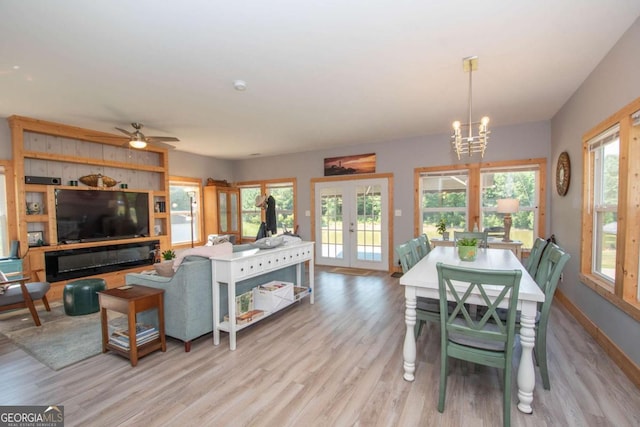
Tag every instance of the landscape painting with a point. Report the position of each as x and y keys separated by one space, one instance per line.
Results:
x=349 y=165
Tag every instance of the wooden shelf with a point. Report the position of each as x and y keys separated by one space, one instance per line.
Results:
x=37 y=218
x=89 y=161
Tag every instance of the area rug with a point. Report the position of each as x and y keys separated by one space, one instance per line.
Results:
x=61 y=340
x=351 y=271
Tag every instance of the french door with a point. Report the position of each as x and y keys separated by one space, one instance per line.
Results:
x=352 y=224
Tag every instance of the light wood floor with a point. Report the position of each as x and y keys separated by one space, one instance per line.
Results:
x=335 y=363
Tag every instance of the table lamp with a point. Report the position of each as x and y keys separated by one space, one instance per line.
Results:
x=507 y=207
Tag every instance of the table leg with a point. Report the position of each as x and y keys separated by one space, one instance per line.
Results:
x=231 y=302
x=163 y=340
x=215 y=291
x=526 y=371
x=105 y=329
x=311 y=280
x=133 y=345
x=409 y=349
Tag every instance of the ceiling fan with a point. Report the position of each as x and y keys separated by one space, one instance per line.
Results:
x=140 y=141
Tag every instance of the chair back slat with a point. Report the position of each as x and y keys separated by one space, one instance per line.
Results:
x=406 y=255
x=494 y=287
x=534 y=257
x=549 y=270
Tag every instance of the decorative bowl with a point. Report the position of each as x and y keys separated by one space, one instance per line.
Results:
x=467 y=253
x=94 y=179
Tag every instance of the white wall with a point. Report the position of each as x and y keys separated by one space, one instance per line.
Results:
x=400 y=157
x=611 y=86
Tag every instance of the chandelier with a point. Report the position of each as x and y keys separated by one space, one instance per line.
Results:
x=471 y=143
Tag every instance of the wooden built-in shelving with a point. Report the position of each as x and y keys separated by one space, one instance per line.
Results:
x=48 y=149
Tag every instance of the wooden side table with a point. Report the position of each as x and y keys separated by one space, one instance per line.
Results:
x=131 y=301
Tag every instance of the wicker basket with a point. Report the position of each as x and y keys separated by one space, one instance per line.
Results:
x=92 y=180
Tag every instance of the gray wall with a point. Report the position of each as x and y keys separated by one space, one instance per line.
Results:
x=611 y=86
x=400 y=157
x=196 y=166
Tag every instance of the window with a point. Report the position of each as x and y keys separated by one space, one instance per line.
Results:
x=251 y=215
x=184 y=200
x=4 y=230
x=610 y=229
x=284 y=193
x=465 y=196
x=605 y=151
x=444 y=195
x=518 y=183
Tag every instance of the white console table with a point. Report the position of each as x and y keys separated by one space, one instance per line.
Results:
x=243 y=265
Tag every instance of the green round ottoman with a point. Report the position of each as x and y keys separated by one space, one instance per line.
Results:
x=80 y=296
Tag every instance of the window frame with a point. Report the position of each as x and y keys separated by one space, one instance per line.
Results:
x=623 y=291
x=264 y=187
x=181 y=181
x=474 y=171
x=535 y=208
x=422 y=209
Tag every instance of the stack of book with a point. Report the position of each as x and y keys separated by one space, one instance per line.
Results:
x=144 y=334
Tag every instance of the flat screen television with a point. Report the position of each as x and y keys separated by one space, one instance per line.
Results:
x=93 y=215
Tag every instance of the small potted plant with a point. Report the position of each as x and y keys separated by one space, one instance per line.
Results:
x=467 y=249
x=441 y=228
x=165 y=268
x=168 y=255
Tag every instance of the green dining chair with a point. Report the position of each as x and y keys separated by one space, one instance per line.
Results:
x=487 y=340
x=421 y=245
x=427 y=309
x=480 y=236
x=547 y=276
x=535 y=255
x=406 y=256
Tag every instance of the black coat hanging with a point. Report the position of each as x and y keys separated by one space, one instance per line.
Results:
x=271 y=219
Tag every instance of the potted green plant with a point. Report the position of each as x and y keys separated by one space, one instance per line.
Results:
x=168 y=255
x=441 y=228
x=467 y=249
x=165 y=268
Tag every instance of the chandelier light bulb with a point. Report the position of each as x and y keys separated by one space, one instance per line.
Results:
x=485 y=121
x=456 y=125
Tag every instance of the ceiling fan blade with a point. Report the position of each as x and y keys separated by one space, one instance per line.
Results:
x=162 y=145
x=126 y=132
x=161 y=139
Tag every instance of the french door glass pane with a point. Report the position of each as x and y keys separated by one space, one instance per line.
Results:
x=368 y=239
x=331 y=225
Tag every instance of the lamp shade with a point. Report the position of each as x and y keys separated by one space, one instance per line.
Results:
x=508 y=206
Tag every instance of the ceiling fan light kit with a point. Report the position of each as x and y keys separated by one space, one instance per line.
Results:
x=135 y=143
x=139 y=141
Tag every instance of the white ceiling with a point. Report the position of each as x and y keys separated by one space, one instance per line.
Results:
x=319 y=73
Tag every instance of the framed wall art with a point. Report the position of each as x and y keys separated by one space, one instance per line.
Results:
x=349 y=165
x=35 y=238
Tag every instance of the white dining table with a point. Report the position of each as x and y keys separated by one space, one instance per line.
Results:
x=422 y=281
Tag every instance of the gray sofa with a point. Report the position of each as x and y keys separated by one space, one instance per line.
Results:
x=188 y=308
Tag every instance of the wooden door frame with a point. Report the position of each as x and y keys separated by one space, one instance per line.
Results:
x=344 y=178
